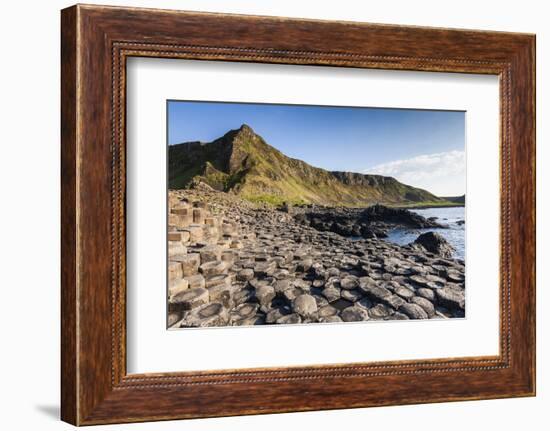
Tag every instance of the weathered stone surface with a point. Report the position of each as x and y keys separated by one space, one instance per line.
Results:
x=218 y=279
x=288 y=319
x=265 y=294
x=190 y=264
x=174 y=270
x=212 y=314
x=174 y=318
x=450 y=298
x=426 y=305
x=191 y=298
x=210 y=253
x=176 y=286
x=327 y=310
x=349 y=282
x=196 y=232
x=176 y=248
x=404 y=292
x=426 y=293
x=332 y=293
x=212 y=268
x=305 y=306
x=435 y=243
x=413 y=311
x=380 y=311
x=195 y=281
x=354 y=314
x=352 y=295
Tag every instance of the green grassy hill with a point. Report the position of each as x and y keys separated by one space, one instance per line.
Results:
x=241 y=162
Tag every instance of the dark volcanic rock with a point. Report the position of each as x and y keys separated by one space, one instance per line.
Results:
x=435 y=243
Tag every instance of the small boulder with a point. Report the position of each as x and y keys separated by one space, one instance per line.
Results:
x=435 y=243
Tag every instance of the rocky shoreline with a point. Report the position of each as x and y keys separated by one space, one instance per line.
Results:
x=232 y=263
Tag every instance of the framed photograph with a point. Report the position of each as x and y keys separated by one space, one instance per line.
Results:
x=326 y=214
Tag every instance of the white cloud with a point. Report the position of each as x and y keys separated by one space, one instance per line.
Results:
x=443 y=174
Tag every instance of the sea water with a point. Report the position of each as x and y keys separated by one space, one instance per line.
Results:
x=454 y=234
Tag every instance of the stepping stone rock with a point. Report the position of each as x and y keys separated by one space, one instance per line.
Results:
x=349 y=282
x=327 y=311
x=176 y=248
x=222 y=293
x=209 y=269
x=331 y=319
x=210 y=253
x=380 y=311
x=289 y=319
x=413 y=311
x=190 y=264
x=331 y=293
x=244 y=311
x=195 y=281
x=213 y=314
x=191 y=298
x=305 y=306
x=352 y=295
x=218 y=279
x=426 y=305
x=245 y=274
x=404 y=292
x=176 y=286
x=196 y=232
x=426 y=293
x=174 y=270
x=265 y=294
x=354 y=314
x=450 y=298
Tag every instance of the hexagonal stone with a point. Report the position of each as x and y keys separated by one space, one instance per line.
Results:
x=276 y=313
x=177 y=285
x=243 y=311
x=352 y=295
x=380 y=311
x=174 y=318
x=245 y=274
x=450 y=298
x=210 y=253
x=176 y=248
x=404 y=292
x=377 y=293
x=190 y=264
x=413 y=311
x=426 y=293
x=393 y=301
x=354 y=314
x=327 y=311
x=213 y=314
x=222 y=293
x=426 y=305
x=265 y=294
x=209 y=269
x=305 y=306
x=218 y=279
x=330 y=319
x=289 y=319
x=191 y=298
x=195 y=281
x=349 y=282
x=332 y=293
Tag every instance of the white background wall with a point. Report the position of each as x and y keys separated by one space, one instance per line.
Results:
x=29 y=226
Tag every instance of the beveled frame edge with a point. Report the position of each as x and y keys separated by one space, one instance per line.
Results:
x=95 y=43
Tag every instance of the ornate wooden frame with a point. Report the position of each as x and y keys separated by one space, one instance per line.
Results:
x=96 y=41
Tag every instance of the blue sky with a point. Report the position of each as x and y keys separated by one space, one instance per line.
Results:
x=418 y=147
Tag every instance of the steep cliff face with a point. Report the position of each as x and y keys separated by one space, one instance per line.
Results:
x=241 y=162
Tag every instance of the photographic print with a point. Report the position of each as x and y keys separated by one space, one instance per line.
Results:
x=296 y=214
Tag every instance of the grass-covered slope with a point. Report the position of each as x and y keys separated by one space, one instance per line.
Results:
x=241 y=162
